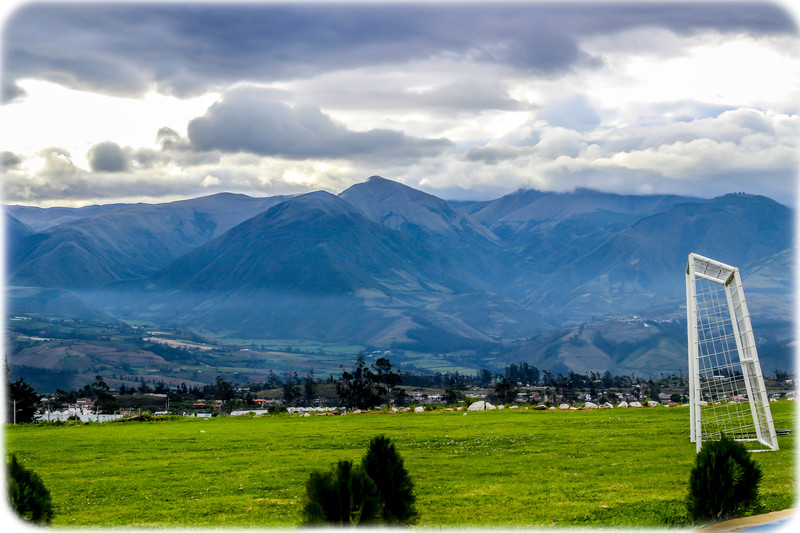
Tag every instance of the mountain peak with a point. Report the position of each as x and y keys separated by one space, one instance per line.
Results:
x=407 y=209
x=314 y=204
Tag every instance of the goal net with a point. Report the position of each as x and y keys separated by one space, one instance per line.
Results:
x=726 y=387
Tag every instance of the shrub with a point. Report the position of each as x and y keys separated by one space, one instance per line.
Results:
x=385 y=466
x=27 y=495
x=344 y=495
x=277 y=409
x=724 y=481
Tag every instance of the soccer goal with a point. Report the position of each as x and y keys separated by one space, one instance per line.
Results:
x=726 y=387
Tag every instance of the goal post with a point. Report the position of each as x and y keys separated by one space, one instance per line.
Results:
x=727 y=395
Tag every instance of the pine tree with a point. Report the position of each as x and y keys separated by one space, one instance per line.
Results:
x=27 y=494
x=724 y=481
x=385 y=466
x=22 y=399
x=344 y=495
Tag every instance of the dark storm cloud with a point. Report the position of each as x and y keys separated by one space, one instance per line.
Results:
x=188 y=48
x=249 y=120
x=107 y=157
x=9 y=160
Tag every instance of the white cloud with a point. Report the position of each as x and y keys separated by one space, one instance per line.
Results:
x=662 y=108
x=735 y=70
x=53 y=115
x=210 y=181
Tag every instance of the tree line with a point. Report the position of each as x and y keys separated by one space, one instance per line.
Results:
x=364 y=386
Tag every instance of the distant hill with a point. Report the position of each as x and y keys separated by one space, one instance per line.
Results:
x=637 y=267
x=313 y=244
x=40 y=219
x=57 y=302
x=386 y=265
x=126 y=242
x=16 y=230
x=315 y=266
x=635 y=345
x=431 y=220
x=526 y=209
x=414 y=212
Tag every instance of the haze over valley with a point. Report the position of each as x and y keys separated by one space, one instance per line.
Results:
x=583 y=281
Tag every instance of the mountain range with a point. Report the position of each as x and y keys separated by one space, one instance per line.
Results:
x=387 y=265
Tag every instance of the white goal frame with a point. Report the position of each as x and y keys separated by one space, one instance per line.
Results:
x=727 y=395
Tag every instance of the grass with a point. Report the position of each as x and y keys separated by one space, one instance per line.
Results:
x=622 y=468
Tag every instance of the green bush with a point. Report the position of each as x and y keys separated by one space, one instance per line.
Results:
x=724 y=482
x=377 y=490
x=385 y=466
x=27 y=495
x=345 y=495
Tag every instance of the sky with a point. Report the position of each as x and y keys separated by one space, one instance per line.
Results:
x=115 y=102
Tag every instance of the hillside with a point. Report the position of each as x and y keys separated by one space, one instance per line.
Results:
x=385 y=265
x=315 y=266
x=125 y=242
x=638 y=266
x=433 y=221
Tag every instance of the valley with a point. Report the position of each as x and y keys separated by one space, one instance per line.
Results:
x=237 y=286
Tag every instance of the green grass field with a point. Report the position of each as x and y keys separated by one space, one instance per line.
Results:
x=621 y=467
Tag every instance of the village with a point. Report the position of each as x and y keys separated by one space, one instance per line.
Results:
x=416 y=400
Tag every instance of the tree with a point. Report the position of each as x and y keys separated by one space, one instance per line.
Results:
x=724 y=481
x=99 y=387
x=63 y=396
x=22 y=400
x=106 y=403
x=450 y=396
x=356 y=390
x=782 y=375
x=309 y=388
x=291 y=390
x=504 y=390
x=386 y=380
x=484 y=377
x=653 y=389
x=344 y=495
x=384 y=465
x=224 y=390
x=27 y=494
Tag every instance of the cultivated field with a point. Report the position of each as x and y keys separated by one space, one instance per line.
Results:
x=622 y=467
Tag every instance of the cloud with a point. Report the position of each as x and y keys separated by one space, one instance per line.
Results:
x=575 y=113
x=186 y=49
x=56 y=162
x=107 y=157
x=742 y=149
x=210 y=181
x=248 y=120
x=10 y=91
x=9 y=160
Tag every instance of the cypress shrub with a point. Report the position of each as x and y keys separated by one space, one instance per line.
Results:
x=27 y=495
x=724 y=482
x=385 y=466
x=344 y=495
